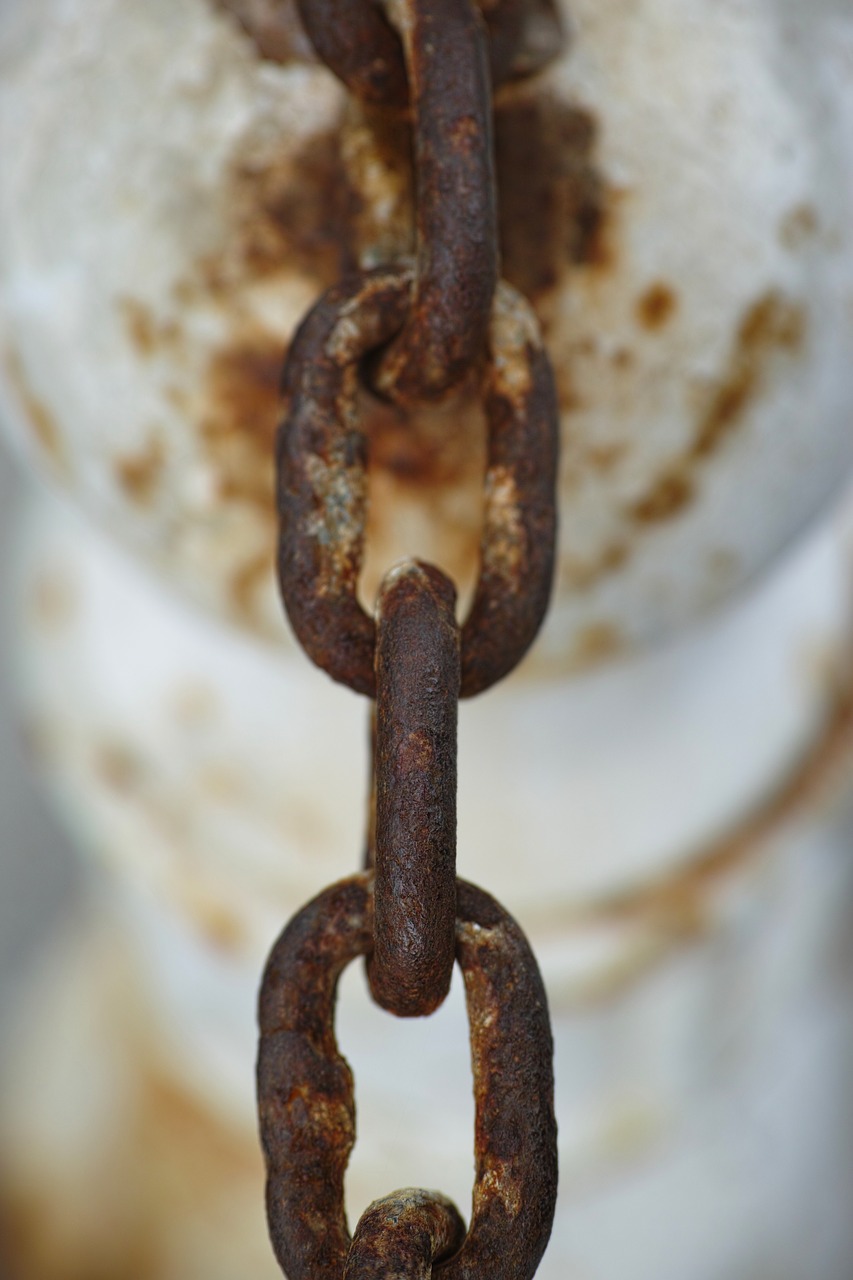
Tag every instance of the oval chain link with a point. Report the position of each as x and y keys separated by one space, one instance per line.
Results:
x=322 y=485
x=305 y=1089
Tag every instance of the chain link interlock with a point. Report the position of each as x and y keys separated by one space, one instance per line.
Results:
x=416 y=332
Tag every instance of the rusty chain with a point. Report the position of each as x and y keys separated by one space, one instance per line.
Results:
x=307 y=1113
x=360 y=44
x=415 y=332
x=322 y=484
x=445 y=49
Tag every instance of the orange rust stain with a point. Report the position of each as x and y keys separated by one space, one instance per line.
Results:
x=606 y=457
x=656 y=306
x=553 y=199
x=118 y=766
x=799 y=225
x=243 y=411
x=139 y=473
x=194 y=705
x=36 y=1247
x=772 y=325
x=580 y=575
x=39 y=418
x=53 y=600
x=670 y=494
x=146 y=331
x=220 y=927
x=175 y=1125
x=597 y=642
x=294 y=215
x=245 y=583
x=149 y=1210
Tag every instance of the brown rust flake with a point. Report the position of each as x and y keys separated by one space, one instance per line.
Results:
x=239 y=428
x=42 y=423
x=139 y=474
x=656 y=306
x=773 y=327
x=296 y=213
x=671 y=493
x=553 y=198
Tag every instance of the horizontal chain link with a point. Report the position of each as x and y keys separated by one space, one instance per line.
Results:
x=403 y=1235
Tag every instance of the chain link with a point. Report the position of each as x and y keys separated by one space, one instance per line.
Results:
x=355 y=39
x=417 y=332
x=322 y=484
x=417 y=694
x=305 y=1089
x=456 y=218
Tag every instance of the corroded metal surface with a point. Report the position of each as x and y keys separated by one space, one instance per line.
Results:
x=305 y=1088
x=685 y=390
x=354 y=38
x=400 y=1236
x=322 y=495
x=520 y=521
x=457 y=235
x=417 y=692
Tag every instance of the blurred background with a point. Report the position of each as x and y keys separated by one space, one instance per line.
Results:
x=40 y=875
x=662 y=793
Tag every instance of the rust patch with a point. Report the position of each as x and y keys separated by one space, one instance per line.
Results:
x=275 y=27
x=606 y=457
x=245 y=584
x=243 y=409
x=140 y=473
x=296 y=213
x=670 y=494
x=799 y=225
x=118 y=766
x=39 y=418
x=425 y=487
x=597 y=642
x=193 y=705
x=427 y=448
x=553 y=209
x=656 y=306
x=774 y=324
x=579 y=575
x=146 y=331
x=216 y=922
x=53 y=600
